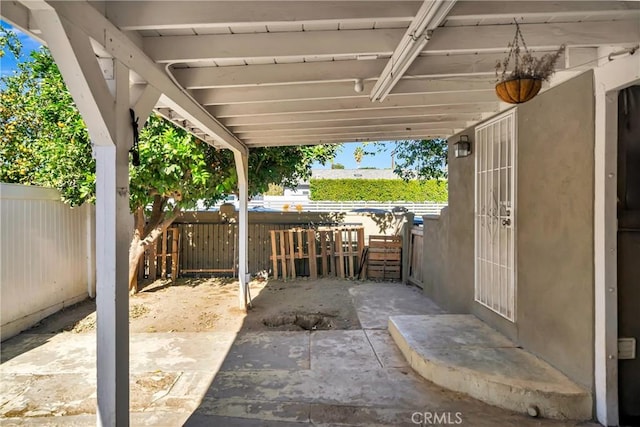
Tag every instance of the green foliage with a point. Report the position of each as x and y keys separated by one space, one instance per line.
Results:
x=358 y=154
x=422 y=160
x=9 y=41
x=173 y=166
x=381 y=190
x=274 y=190
x=43 y=141
x=337 y=166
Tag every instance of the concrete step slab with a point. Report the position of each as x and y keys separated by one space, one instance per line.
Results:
x=461 y=353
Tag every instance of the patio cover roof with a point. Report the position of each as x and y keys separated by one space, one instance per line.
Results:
x=242 y=74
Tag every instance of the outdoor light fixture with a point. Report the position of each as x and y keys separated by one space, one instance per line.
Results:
x=462 y=147
x=359 y=86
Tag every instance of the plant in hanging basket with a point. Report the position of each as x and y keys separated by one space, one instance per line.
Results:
x=524 y=81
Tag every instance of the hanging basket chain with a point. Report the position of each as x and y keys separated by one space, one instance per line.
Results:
x=514 y=50
x=525 y=64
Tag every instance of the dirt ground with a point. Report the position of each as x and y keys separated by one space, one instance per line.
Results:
x=194 y=305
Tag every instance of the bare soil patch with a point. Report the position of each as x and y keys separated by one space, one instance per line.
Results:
x=196 y=305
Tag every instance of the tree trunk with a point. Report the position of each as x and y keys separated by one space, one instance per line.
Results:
x=145 y=235
x=134 y=248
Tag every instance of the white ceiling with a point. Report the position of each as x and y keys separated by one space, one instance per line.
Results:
x=283 y=72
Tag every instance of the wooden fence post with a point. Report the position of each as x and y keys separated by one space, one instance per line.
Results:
x=174 y=254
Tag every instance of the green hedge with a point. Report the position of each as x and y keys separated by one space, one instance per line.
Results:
x=380 y=190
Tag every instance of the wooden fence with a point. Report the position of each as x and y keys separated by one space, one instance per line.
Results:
x=329 y=251
x=384 y=257
x=162 y=260
x=415 y=257
x=205 y=243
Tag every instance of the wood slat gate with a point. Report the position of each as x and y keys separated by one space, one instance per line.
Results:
x=415 y=257
x=384 y=258
x=329 y=251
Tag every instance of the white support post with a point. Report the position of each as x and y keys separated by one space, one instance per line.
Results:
x=609 y=79
x=242 y=167
x=91 y=280
x=115 y=226
x=109 y=124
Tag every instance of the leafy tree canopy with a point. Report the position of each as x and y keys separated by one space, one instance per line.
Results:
x=418 y=159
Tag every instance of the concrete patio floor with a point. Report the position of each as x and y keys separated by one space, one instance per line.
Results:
x=335 y=377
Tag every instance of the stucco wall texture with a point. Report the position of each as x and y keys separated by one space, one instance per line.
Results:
x=554 y=232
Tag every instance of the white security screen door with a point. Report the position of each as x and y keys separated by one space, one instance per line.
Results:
x=494 y=215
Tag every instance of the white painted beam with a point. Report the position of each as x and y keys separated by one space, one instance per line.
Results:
x=21 y=17
x=242 y=171
x=145 y=98
x=397 y=133
x=396 y=101
x=380 y=127
x=467 y=11
x=121 y=47
x=249 y=94
x=81 y=73
x=362 y=114
x=171 y=49
x=356 y=123
x=279 y=74
x=495 y=37
x=608 y=80
x=154 y=15
x=341 y=140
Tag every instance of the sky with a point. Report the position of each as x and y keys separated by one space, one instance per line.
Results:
x=8 y=63
x=381 y=160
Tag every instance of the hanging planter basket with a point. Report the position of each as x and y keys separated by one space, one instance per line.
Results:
x=518 y=90
x=524 y=81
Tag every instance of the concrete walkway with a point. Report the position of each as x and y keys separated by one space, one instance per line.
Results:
x=355 y=377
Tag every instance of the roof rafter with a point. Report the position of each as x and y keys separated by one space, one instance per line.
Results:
x=381 y=113
x=153 y=15
x=347 y=138
x=249 y=94
x=466 y=10
x=491 y=38
x=363 y=130
x=172 y=49
x=396 y=101
x=358 y=123
x=429 y=66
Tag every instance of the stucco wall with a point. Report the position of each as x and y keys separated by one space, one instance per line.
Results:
x=554 y=232
x=555 y=307
x=435 y=255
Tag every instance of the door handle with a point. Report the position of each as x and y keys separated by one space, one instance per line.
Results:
x=506 y=221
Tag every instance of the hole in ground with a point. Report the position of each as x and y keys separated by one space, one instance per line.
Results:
x=304 y=321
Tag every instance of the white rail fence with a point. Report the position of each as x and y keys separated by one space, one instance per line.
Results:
x=47 y=255
x=305 y=205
